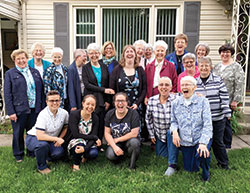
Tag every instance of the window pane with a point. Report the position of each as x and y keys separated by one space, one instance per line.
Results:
x=84 y=41
x=85 y=27
x=125 y=26
x=166 y=27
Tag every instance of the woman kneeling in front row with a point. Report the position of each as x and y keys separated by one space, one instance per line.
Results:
x=83 y=126
x=122 y=130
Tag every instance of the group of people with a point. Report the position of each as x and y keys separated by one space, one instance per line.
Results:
x=180 y=102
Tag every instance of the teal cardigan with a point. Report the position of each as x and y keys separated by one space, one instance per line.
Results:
x=46 y=63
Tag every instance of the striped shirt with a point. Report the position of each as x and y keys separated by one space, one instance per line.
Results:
x=158 y=117
x=215 y=91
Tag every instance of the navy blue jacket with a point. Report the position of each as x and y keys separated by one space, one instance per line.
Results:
x=15 y=92
x=74 y=87
x=173 y=59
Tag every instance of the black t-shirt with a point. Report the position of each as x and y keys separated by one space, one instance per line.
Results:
x=120 y=127
x=179 y=61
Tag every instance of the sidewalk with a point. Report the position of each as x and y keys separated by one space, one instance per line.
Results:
x=240 y=141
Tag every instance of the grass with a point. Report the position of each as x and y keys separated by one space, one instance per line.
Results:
x=102 y=176
x=5 y=127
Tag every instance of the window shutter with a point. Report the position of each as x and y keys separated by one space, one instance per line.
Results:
x=61 y=29
x=192 y=23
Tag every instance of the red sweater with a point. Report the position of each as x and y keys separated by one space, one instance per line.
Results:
x=168 y=69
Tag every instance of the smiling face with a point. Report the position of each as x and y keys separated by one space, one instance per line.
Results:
x=129 y=55
x=164 y=87
x=148 y=53
x=139 y=50
x=109 y=51
x=201 y=51
x=82 y=59
x=187 y=88
x=53 y=102
x=205 y=69
x=89 y=105
x=225 y=55
x=57 y=58
x=180 y=45
x=21 y=60
x=121 y=104
x=38 y=53
x=94 y=56
x=160 y=53
x=189 y=65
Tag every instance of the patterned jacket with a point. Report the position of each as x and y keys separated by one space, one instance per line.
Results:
x=53 y=80
x=193 y=122
x=233 y=77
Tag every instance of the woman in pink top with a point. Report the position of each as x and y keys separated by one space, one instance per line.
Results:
x=188 y=61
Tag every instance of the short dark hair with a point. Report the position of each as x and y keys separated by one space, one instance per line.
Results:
x=121 y=93
x=226 y=47
x=51 y=93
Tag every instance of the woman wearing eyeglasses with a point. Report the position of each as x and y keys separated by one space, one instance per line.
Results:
x=24 y=99
x=95 y=78
x=122 y=130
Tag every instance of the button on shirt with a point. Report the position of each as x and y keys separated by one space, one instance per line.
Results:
x=192 y=120
x=50 y=124
x=158 y=117
x=158 y=67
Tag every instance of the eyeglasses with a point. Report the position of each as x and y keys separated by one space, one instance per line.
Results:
x=54 y=101
x=189 y=62
x=120 y=101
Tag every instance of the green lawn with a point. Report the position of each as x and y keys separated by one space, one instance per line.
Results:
x=102 y=176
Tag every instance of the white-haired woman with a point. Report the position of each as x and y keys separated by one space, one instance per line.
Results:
x=140 y=49
x=56 y=75
x=95 y=76
x=37 y=62
x=158 y=68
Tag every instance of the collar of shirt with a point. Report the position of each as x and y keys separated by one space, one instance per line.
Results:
x=157 y=65
x=51 y=114
x=22 y=69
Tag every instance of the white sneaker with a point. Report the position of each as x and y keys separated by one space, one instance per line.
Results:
x=170 y=171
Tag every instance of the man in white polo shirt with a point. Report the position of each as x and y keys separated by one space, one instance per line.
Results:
x=45 y=139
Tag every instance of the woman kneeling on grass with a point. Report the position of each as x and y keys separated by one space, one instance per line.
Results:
x=121 y=131
x=191 y=126
x=83 y=126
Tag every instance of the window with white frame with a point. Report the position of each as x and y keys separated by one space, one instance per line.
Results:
x=124 y=26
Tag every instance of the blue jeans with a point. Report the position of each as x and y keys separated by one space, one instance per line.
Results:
x=24 y=122
x=173 y=151
x=44 y=150
x=192 y=160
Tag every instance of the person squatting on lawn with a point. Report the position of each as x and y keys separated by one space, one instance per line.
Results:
x=191 y=127
x=122 y=131
x=24 y=99
x=45 y=139
x=83 y=129
x=158 y=120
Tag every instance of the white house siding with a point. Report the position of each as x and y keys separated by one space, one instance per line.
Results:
x=215 y=26
x=10 y=9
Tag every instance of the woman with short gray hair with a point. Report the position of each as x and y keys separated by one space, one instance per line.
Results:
x=188 y=61
x=201 y=49
x=95 y=76
x=37 y=62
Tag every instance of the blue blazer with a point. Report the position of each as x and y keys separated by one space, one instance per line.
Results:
x=173 y=59
x=74 y=87
x=15 y=92
x=46 y=63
